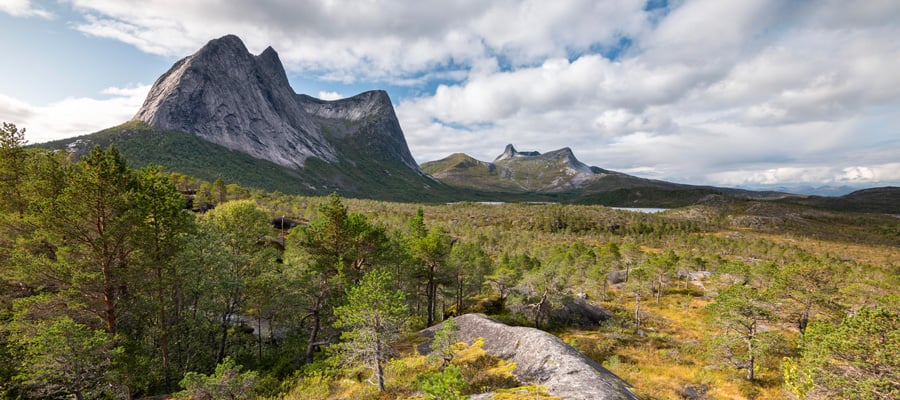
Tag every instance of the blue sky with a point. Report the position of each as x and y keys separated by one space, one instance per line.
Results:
x=757 y=94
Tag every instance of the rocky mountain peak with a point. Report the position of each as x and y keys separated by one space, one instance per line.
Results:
x=566 y=158
x=510 y=153
x=228 y=96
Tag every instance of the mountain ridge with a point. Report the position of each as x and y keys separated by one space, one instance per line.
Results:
x=553 y=172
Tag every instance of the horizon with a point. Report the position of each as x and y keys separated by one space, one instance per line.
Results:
x=797 y=95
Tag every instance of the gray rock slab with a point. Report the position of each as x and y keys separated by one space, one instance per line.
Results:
x=540 y=358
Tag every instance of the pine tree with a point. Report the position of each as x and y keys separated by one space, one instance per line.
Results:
x=374 y=316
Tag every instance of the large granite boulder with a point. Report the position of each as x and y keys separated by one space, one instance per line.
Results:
x=540 y=358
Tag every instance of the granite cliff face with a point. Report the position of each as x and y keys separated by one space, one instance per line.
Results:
x=366 y=121
x=227 y=96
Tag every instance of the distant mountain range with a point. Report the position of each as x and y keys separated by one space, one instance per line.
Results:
x=559 y=173
x=223 y=112
x=811 y=190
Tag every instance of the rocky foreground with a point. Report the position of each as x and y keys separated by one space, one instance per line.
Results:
x=541 y=359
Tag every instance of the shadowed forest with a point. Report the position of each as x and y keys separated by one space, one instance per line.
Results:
x=124 y=283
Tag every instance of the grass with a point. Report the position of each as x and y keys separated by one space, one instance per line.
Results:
x=673 y=353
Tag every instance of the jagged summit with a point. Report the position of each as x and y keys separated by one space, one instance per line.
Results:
x=510 y=153
x=226 y=95
x=563 y=159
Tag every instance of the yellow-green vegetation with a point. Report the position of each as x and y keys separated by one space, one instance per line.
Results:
x=109 y=261
x=478 y=371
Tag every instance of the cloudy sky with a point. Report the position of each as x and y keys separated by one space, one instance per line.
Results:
x=732 y=93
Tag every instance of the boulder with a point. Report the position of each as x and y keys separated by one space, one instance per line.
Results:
x=284 y=223
x=694 y=392
x=616 y=277
x=580 y=312
x=540 y=358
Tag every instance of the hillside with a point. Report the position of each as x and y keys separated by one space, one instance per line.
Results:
x=190 y=155
x=879 y=200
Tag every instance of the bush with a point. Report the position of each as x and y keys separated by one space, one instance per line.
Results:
x=445 y=385
x=228 y=382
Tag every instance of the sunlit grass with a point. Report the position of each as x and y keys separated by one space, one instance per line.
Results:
x=673 y=354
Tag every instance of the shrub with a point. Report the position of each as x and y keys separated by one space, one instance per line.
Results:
x=445 y=385
x=228 y=382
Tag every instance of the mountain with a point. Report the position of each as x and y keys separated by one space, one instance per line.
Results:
x=885 y=200
x=225 y=95
x=514 y=171
x=224 y=112
x=559 y=175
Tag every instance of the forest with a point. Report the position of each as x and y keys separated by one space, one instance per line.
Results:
x=129 y=283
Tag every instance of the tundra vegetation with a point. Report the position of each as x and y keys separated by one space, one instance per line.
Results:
x=112 y=287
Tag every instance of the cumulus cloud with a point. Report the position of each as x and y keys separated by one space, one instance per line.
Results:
x=835 y=175
x=73 y=116
x=23 y=8
x=379 y=40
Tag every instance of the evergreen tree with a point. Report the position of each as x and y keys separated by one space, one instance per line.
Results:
x=167 y=227
x=239 y=228
x=92 y=224
x=373 y=318
x=431 y=248
x=60 y=357
x=468 y=265
x=329 y=255
x=13 y=159
x=810 y=287
x=740 y=311
x=857 y=359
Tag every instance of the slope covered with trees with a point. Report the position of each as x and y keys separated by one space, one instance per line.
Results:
x=111 y=287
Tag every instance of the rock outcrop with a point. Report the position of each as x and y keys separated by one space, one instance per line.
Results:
x=227 y=96
x=510 y=152
x=541 y=358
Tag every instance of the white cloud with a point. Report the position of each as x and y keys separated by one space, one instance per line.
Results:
x=23 y=8
x=73 y=116
x=379 y=40
x=832 y=175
